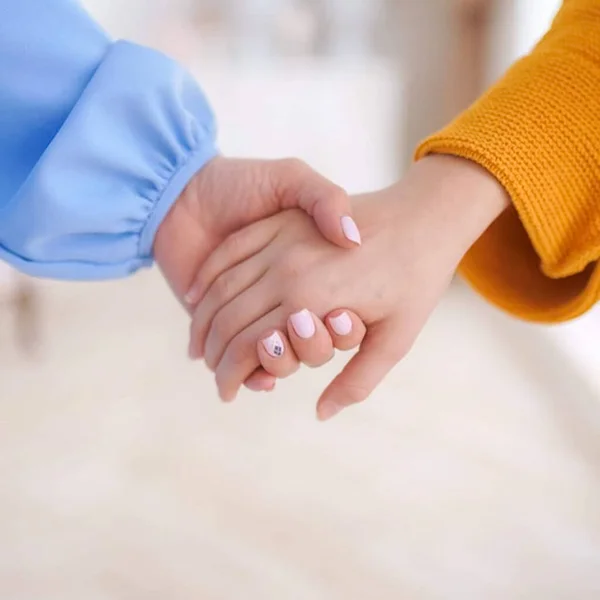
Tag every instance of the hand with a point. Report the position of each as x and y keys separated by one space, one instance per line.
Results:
x=228 y=194
x=415 y=234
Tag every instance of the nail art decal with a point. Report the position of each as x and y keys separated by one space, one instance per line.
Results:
x=274 y=345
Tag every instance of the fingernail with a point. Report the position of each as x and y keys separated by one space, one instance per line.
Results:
x=191 y=296
x=327 y=410
x=274 y=345
x=189 y=299
x=342 y=324
x=303 y=324
x=351 y=230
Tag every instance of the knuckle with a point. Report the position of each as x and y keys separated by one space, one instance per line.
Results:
x=233 y=244
x=337 y=195
x=222 y=287
x=293 y=265
x=318 y=349
x=351 y=393
x=300 y=295
x=240 y=351
x=293 y=165
x=320 y=359
x=216 y=340
x=290 y=268
x=220 y=328
x=295 y=299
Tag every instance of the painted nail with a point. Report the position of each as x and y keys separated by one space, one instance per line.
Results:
x=351 y=230
x=342 y=324
x=328 y=409
x=274 y=345
x=303 y=324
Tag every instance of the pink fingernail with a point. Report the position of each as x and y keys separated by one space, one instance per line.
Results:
x=350 y=230
x=274 y=345
x=342 y=324
x=303 y=324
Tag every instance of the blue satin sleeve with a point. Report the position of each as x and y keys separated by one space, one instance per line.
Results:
x=97 y=140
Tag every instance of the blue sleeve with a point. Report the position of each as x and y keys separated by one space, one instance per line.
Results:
x=97 y=140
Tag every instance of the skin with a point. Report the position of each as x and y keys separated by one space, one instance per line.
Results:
x=414 y=236
x=228 y=194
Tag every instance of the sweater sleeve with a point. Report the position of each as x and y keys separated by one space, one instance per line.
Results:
x=538 y=132
x=97 y=140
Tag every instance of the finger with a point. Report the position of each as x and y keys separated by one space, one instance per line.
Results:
x=227 y=286
x=276 y=355
x=309 y=338
x=240 y=358
x=238 y=247
x=346 y=329
x=260 y=381
x=297 y=185
x=236 y=316
x=378 y=353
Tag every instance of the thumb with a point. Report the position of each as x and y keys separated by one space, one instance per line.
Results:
x=378 y=354
x=297 y=185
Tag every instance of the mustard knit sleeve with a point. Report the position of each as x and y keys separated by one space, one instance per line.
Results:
x=538 y=132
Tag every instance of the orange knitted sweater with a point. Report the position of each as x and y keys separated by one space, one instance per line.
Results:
x=538 y=132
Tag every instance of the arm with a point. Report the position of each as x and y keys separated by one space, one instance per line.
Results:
x=97 y=141
x=536 y=132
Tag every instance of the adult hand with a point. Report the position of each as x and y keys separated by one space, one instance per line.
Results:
x=228 y=194
x=416 y=233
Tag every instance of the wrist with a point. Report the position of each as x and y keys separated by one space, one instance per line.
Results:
x=180 y=238
x=442 y=202
x=457 y=198
x=465 y=196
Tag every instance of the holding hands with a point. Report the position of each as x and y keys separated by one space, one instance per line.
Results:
x=276 y=293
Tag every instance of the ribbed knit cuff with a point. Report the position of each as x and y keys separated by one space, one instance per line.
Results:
x=536 y=131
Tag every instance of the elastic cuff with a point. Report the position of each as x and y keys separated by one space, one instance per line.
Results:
x=169 y=196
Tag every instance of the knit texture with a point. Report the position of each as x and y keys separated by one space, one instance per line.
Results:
x=538 y=132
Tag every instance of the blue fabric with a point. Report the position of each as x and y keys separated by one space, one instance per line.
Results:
x=97 y=140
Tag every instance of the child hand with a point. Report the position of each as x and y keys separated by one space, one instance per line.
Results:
x=414 y=235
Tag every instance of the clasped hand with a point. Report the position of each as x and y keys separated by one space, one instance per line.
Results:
x=275 y=293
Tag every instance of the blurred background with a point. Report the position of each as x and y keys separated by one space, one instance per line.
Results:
x=473 y=472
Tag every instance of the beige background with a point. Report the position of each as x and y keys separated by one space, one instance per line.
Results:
x=472 y=472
